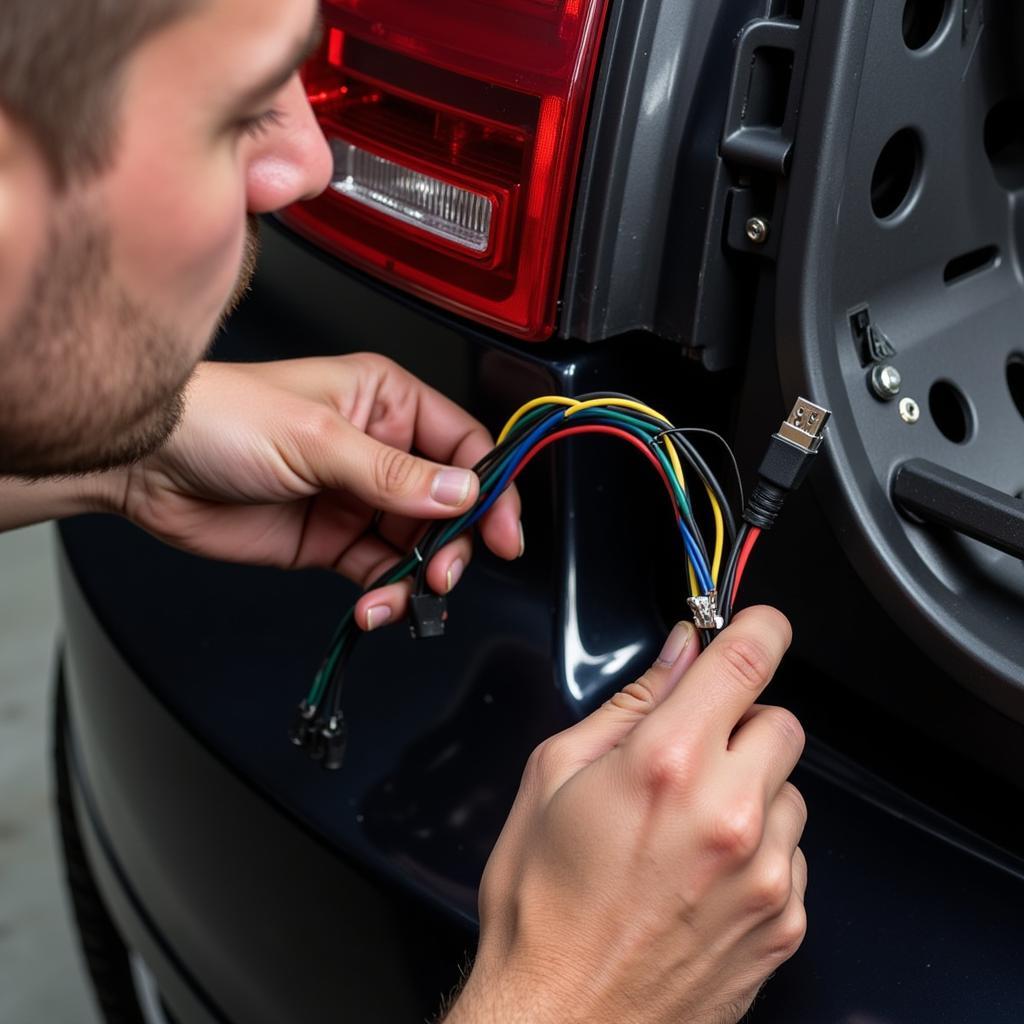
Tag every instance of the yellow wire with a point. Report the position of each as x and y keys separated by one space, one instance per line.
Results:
x=716 y=562
x=695 y=590
x=637 y=407
x=573 y=406
x=524 y=409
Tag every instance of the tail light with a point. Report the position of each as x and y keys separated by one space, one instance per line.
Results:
x=456 y=128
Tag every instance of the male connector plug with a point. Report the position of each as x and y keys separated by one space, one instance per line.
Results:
x=787 y=462
x=427 y=615
x=323 y=741
x=302 y=724
x=326 y=743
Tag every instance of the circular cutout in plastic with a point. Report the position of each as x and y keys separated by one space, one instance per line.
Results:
x=950 y=411
x=921 y=20
x=1004 y=142
x=895 y=173
x=1015 y=380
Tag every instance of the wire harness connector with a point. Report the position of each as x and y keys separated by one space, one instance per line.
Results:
x=787 y=462
x=705 y=611
x=427 y=615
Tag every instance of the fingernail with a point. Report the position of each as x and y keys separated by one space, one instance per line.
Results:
x=454 y=574
x=676 y=643
x=377 y=616
x=522 y=541
x=451 y=486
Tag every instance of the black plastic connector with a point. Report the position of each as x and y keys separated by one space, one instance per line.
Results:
x=427 y=615
x=787 y=462
x=302 y=724
x=335 y=739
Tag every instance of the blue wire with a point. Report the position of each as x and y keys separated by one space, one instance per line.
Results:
x=513 y=460
x=693 y=552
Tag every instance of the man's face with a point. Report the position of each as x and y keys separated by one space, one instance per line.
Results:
x=111 y=291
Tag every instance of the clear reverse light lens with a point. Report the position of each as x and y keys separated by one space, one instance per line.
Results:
x=452 y=213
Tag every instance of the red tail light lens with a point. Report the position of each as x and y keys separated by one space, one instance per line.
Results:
x=456 y=127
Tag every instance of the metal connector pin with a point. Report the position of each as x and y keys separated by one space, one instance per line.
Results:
x=804 y=425
x=705 y=611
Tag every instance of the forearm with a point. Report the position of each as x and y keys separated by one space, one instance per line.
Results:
x=23 y=503
x=507 y=996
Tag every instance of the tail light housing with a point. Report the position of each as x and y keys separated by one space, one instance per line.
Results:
x=456 y=128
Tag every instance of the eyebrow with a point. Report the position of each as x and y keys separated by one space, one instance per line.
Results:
x=298 y=56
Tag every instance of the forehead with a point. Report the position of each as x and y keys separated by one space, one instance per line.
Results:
x=229 y=42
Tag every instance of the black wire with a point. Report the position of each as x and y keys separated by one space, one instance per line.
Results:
x=688 y=516
x=708 y=478
x=728 y=450
x=335 y=688
x=676 y=434
x=690 y=453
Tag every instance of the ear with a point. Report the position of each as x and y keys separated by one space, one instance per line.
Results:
x=26 y=197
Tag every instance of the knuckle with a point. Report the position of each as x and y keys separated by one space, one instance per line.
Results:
x=791 y=793
x=789 y=727
x=314 y=428
x=547 y=757
x=374 y=363
x=735 y=832
x=394 y=471
x=671 y=768
x=745 y=662
x=789 y=932
x=773 y=888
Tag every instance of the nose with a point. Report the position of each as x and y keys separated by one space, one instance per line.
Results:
x=294 y=162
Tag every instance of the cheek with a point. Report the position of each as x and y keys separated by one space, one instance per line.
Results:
x=26 y=204
x=178 y=250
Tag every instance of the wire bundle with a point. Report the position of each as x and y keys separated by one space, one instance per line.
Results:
x=319 y=725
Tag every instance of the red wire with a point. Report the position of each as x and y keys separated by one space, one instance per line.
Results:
x=741 y=562
x=597 y=428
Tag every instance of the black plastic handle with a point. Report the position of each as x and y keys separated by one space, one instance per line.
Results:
x=938 y=495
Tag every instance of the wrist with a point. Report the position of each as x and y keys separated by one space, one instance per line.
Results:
x=94 y=492
x=104 y=492
x=23 y=502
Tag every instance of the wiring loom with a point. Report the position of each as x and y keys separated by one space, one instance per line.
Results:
x=713 y=571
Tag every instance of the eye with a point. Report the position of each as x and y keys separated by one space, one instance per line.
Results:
x=255 y=127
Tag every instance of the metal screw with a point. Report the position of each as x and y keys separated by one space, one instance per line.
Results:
x=757 y=230
x=885 y=381
x=910 y=411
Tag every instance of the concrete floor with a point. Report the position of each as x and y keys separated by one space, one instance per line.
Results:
x=41 y=977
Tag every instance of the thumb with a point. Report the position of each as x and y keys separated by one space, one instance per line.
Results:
x=605 y=728
x=391 y=480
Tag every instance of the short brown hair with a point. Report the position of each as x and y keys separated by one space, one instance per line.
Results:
x=60 y=72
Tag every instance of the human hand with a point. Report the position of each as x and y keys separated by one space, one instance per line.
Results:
x=289 y=463
x=649 y=871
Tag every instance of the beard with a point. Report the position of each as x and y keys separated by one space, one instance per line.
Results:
x=92 y=380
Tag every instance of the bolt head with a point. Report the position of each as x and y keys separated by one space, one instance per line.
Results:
x=910 y=411
x=885 y=381
x=757 y=230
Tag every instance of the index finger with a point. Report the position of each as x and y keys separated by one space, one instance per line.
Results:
x=720 y=686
